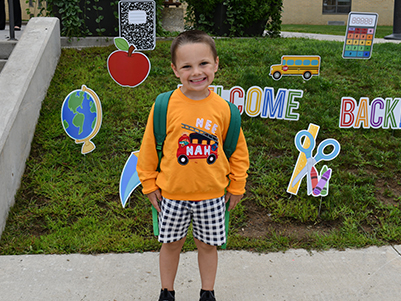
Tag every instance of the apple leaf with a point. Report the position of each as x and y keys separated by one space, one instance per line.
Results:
x=121 y=44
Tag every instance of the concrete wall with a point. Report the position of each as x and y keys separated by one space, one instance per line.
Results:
x=310 y=11
x=23 y=85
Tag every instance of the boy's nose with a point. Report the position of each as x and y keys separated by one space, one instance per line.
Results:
x=196 y=70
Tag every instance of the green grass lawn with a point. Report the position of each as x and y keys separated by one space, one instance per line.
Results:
x=381 y=31
x=69 y=202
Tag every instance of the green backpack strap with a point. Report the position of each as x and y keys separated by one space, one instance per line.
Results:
x=159 y=130
x=159 y=122
x=230 y=144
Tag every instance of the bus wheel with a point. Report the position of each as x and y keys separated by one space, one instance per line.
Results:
x=276 y=75
x=183 y=160
x=307 y=75
x=211 y=159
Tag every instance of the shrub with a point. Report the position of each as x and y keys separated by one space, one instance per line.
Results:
x=236 y=17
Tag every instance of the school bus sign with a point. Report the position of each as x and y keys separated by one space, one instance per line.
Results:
x=303 y=65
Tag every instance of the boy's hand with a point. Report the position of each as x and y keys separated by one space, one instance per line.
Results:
x=154 y=197
x=234 y=200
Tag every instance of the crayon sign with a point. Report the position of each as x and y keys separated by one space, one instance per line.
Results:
x=380 y=113
x=317 y=182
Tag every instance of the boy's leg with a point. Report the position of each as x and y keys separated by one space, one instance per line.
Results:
x=209 y=232
x=207 y=260
x=168 y=261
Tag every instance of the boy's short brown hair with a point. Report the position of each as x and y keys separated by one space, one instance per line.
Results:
x=192 y=36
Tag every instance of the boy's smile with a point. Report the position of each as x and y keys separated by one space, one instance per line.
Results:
x=195 y=67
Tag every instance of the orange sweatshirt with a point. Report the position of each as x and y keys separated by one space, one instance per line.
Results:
x=194 y=166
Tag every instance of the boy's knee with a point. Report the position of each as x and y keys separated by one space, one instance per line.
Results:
x=204 y=246
x=175 y=244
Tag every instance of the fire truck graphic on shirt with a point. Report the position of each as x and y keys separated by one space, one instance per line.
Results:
x=197 y=145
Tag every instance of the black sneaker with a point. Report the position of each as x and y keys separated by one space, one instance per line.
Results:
x=166 y=295
x=207 y=296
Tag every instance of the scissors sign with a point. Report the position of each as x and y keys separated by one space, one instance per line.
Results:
x=311 y=161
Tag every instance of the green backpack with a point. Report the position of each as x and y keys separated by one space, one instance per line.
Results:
x=159 y=125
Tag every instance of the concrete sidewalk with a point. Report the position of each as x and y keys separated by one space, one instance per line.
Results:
x=362 y=274
x=325 y=37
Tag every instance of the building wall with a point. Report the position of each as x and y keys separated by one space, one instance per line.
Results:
x=310 y=11
x=34 y=11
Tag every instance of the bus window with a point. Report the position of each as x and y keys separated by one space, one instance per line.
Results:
x=298 y=62
x=290 y=62
x=306 y=62
x=283 y=63
x=315 y=62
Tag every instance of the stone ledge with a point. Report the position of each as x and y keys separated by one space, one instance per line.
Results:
x=23 y=84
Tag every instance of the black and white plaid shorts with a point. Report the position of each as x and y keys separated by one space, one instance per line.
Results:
x=207 y=220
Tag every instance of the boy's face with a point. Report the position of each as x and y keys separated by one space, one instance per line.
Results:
x=195 y=67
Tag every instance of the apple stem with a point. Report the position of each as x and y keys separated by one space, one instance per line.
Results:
x=131 y=49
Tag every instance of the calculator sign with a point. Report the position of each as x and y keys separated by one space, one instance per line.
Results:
x=360 y=34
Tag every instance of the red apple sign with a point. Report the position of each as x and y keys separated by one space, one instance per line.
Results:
x=126 y=67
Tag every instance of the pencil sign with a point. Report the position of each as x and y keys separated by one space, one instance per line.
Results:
x=317 y=183
x=138 y=23
x=361 y=28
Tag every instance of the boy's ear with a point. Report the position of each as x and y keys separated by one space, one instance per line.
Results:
x=217 y=64
x=175 y=70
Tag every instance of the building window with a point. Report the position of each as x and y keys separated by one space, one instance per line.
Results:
x=336 y=6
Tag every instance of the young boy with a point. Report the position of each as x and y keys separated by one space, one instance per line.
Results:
x=193 y=170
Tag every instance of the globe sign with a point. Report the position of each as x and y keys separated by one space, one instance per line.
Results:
x=81 y=117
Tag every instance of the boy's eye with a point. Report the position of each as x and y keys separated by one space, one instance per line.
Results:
x=187 y=66
x=204 y=63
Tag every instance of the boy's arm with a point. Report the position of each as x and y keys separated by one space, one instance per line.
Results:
x=148 y=159
x=154 y=197
x=234 y=200
x=239 y=165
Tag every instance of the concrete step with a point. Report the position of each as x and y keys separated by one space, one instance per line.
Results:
x=6 y=47
x=2 y=63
